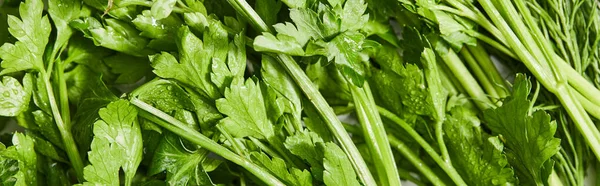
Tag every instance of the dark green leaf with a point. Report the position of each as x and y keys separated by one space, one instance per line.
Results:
x=477 y=156
x=528 y=135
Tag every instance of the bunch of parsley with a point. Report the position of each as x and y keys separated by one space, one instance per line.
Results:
x=299 y=92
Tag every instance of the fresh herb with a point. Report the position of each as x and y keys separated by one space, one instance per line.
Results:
x=299 y=92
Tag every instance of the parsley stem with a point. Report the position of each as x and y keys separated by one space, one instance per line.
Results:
x=452 y=173
x=312 y=93
x=375 y=135
x=65 y=131
x=526 y=48
x=166 y=121
x=415 y=160
x=483 y=59
x=63 y=93
x=481 y=77
x=457 y=67
x=333 y=123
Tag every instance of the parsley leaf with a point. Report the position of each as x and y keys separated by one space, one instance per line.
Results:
x=32 y=31
x=338 y=170
x=195 y=60
x=528 y=135
x=245 y=108
x=183 y=167
x=277 y=166
x=15 y=97
x=162 y=8
x=23 y=151
x=117 y=138
x=115 y=34
x=63 y=12
x=477 y=156
x=9 y=167
x=304 y=145
x=129 y=68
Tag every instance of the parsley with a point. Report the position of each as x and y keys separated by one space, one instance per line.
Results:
x=299 y=92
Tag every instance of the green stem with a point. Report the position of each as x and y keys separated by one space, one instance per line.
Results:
x=578 y=82
x=235 y=145
x=416 y=161
x=166 y=121
x=65 y=130
x=466 y=79
x=483 y=59
x=271 y=152
x=330 y=118
x=452 y=173
x=311 y=91
x=375 y=135
x=590 y=107
x=540 y=67
x=63 y=94
x=483 y=79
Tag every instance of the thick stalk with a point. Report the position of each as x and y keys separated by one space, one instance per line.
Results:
x=65 y=130
x=312 y=93
x=375 y=135
x=452 y=173
x=541 y=71
x=415 y=160
x=166 y=121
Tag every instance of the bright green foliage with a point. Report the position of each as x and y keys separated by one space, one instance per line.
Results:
x=162 y=8
x=278 y=167
x=331 y=32
x=15 y=97
x=528 y=135
x=183 y=167
x=298 y=92
x=477 y=156
x=338 y=170
x=117 y=137
x=32 y=31
x=9 y=168
x=244 y=106
x=22 y=151
x=195 y=59
x=115 y=34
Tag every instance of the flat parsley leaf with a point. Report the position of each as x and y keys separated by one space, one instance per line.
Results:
x=529 y=137
x=195 y=60
x=334 y=33
x=477 y=156
x=183 y=167
x=162 y=8
x=8 y=168
x=338 y=170
x=115 y=34
x=117 y=138
x=32 y=31
x=278 y=167
x=23 y=151
x=63 y=12
x=304 y=145
x=15 y=97
x=245 y=108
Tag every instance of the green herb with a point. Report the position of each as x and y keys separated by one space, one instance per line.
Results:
x=299 y=92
